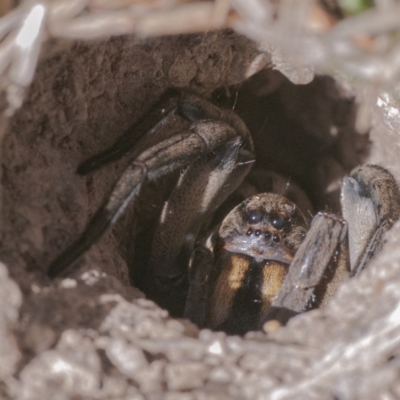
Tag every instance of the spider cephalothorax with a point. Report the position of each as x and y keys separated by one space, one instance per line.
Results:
x=265 y=227
x=261 y=262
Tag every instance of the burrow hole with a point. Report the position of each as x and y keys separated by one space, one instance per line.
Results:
x=305 y=142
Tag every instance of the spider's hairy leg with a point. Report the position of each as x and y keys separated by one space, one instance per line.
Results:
x=169 y=155
x=173 y=109
x=159 y=115
x=321 y=247
x=201 y=189
x=371 y=205
x=194 y=108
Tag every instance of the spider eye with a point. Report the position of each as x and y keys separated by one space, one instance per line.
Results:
x=278 y=221
x=254 y=216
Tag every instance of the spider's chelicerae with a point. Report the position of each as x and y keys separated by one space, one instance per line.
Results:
x=263 y=261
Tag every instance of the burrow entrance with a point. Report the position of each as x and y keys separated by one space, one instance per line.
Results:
x=85 y=95
x=305 y=142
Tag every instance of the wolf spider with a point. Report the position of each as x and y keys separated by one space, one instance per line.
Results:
x=263 y=261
